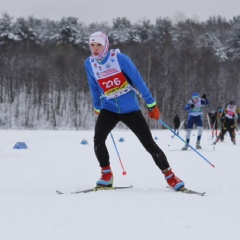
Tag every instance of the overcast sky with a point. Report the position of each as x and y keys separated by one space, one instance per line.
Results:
x=89 y=11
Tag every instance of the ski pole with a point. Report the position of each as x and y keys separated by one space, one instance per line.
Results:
x=164 y=124
x=212 y=128
x=177 y=131
x=124 y=172
x=180 y=126
x=215 y=127
x=209 y=125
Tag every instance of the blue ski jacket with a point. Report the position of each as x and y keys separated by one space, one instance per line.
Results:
x=126 y=102
x=197 y=110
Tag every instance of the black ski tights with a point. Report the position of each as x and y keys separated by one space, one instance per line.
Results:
x=137 y=124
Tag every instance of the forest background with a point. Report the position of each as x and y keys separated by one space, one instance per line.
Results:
x=43 y=84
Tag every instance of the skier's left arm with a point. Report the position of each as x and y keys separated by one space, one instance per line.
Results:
x=136 y=80
x=129 y=69
x=204 y=100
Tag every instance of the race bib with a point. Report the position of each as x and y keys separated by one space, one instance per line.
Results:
x=116 y=84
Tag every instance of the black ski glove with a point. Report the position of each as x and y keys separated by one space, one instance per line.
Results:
x=204 y=96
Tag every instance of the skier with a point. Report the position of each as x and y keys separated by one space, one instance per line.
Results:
x=112 y=78
x=176 y=122
x=194 y=108
x=230 y=116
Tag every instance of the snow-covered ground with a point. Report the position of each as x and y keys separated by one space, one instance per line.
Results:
x=32 y=210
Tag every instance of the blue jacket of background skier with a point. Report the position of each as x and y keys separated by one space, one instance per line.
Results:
x=124 y=103
x=197 y=109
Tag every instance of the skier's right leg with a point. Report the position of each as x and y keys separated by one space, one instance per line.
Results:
x=105 y=123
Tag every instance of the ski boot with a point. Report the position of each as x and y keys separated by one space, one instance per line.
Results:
x=172 y=180
x=106 y=179
x=185 y=148
x=198 y=146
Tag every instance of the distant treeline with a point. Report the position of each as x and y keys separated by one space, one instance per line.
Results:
x=43 y=81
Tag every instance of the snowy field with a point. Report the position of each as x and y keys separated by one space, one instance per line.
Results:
x=32 y=210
